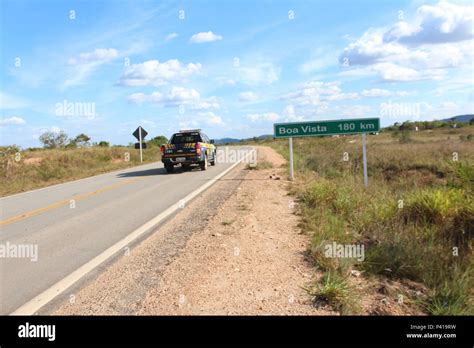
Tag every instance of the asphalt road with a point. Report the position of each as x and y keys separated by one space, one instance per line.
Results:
x=106 y=208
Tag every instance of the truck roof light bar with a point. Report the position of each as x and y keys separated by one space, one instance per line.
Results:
x=189 y=130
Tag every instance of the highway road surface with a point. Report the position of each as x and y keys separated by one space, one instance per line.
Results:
x=73 y=223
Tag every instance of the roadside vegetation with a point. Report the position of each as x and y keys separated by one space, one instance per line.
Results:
x=260 y=165
x=415 y=220
x=63 y=159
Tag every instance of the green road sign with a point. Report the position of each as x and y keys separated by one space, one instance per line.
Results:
x=319 y=128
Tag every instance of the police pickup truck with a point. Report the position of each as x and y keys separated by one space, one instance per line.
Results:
x=186 y=148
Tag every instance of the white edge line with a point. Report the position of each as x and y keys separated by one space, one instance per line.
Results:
x=32 y=306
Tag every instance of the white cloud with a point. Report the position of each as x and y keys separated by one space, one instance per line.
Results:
x=14 y=120
x=260 y=73
x=171 y=36
x=370 y=49
x=378 y=92
x=205 y=37
x=247 y=96
x=211 y=118
x=83 y=65
x=206 y=103
x=439 y=38
x=440 y=23
x=101 y=55
x=290 y=115
x=188 y=124
x=176 y=97
x=394 y=72
x=139 y=98
x=375 y=92
x=154 y=73
x=354 y=110
x=268 y=116
x=316 y=93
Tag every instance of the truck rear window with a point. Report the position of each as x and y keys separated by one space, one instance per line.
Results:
x=182 y=138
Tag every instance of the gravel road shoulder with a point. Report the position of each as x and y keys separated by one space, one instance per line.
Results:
x=236 y=249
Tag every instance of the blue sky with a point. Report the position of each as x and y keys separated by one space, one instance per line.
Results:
x=230 y=67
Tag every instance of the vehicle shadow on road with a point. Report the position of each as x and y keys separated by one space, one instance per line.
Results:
x=154 y=171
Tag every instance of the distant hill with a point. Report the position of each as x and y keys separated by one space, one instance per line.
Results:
x=227 y=140
x=460 y=118
x=260 y=137
x=235 y=140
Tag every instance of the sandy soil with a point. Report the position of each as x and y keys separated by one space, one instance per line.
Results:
x=236 y=249
x=249 y=260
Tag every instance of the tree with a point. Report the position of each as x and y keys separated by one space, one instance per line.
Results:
x=407 y=125
x=71 y=144
x=82 y=140
x=103 y=144
x=158 y=141
x=52 y=140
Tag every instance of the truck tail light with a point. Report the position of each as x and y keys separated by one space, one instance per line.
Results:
x=198 y=149
x=162 y=149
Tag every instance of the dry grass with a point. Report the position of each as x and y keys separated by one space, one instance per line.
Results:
x=40 y=168
x=416 y=219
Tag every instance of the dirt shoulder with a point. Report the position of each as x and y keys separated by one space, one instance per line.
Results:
x=236 y=249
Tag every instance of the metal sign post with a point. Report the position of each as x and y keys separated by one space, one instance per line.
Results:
x=364 y=159
x=140 y=133
x=325 y=128
x=140 y=141
x=292 y=177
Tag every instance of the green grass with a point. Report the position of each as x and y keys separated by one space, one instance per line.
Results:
x=451 y=297
x=416 y=219
x=334 y=290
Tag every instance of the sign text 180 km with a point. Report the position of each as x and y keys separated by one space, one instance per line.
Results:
x=319 y=128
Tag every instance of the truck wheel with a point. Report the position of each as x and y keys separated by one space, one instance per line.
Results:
x=213 y=162
x=203 y=164
x=169 y=168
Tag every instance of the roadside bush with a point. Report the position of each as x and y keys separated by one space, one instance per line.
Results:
x=48 y=171
x=434 y=206
x=404 y=137
x=334 y=290
x=462 y=175
x=453 y=294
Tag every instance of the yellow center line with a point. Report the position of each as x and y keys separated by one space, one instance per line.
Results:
x=59 y=204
